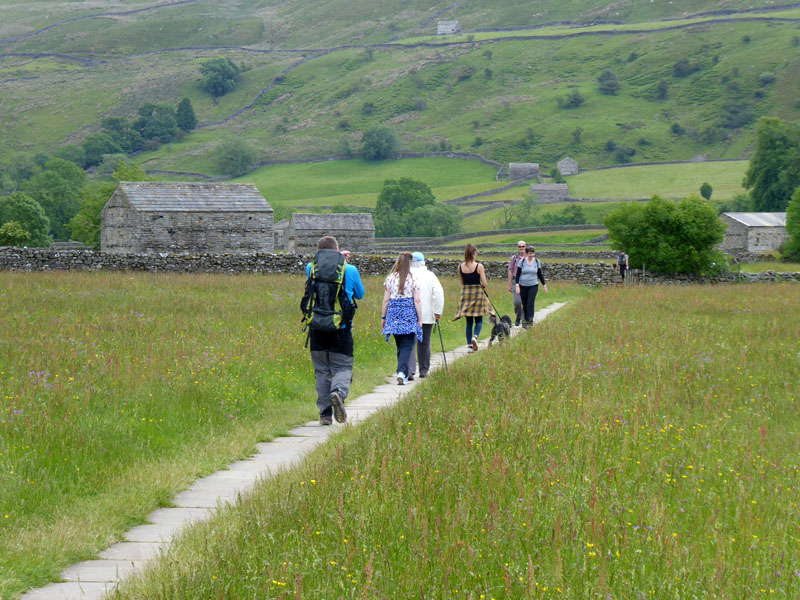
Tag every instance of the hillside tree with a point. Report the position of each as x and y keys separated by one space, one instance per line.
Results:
x=669 y=237
x=157 y=122
x=186 y=118
x=235 y=157
x=608 y=82
x=97 y=145
x=220 y=76
x=774 y=170
x=24 y=210
x=378 y=143
x=706 y=190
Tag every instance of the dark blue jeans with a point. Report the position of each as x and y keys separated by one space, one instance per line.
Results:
x=478 y=326
x=405 y=346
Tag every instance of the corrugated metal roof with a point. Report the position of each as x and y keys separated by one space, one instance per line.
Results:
x=754 y=219
x=152 y=196
x=338 y=221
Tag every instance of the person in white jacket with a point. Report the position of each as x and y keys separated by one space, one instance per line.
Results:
x=432 y=299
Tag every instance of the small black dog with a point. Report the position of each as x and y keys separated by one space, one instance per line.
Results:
x=500 y=330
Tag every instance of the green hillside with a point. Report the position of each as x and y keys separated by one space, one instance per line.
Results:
x=316 y=75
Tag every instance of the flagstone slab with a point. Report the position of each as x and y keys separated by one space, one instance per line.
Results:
x=101 y=571
x=153 y=533
x=179 y=516
x=133 y=551
x=70 y=591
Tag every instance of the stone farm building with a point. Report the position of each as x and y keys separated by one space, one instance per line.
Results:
x=518 y=171
x=567 y=166
x=448 y=27
x=186 y=218
x=353 y=231
x=753 y=232
x=550 y=193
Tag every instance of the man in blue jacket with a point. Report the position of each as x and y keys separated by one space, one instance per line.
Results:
x=332 y=352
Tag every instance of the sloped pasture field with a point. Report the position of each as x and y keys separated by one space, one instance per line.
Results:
x=641 y=443
x=117 y=390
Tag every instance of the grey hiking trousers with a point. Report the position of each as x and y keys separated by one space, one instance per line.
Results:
x=333 y=373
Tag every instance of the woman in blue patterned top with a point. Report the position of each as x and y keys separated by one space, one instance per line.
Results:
x=401 y=315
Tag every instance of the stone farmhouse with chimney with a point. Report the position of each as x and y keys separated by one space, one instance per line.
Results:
x=567 y=166
x=186 y=218
x=448 y=27
x=753 y=232
x=353 y=231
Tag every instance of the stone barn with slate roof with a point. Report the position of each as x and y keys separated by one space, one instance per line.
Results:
x=448 y=27
x=521 y=171
x=353 y=231
x=753 y=232
x=186 y=218
x=567 y=166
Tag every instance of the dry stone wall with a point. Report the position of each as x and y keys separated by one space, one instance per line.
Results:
x=47 y=259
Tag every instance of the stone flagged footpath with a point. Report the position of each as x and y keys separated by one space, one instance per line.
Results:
x=91 y=579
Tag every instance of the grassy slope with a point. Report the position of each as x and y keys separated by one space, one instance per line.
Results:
x=317 y=108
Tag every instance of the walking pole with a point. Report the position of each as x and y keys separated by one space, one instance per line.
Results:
x=444 y=355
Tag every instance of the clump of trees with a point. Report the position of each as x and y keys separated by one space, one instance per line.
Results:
x=669 y=237
x=572 y=100
x=220 y=76
x=774 y=171
x=407 y=207
x=23 y=221
x=378 y=143
x=236 y=157
x=608 y=82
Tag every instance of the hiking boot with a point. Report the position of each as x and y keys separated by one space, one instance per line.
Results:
x=423 y=375
x=327 y=420
x=338 y=407
x=410 y=378
x=474 y=343
x=401 y=379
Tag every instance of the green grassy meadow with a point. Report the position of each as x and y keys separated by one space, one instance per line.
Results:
x=668 y=181
x=644 y=446
x=119 y=389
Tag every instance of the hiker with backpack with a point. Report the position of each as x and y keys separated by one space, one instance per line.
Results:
x=513 y=264
x=529 y=274
x=401 y=313
x=328 y=305
x=622 y=262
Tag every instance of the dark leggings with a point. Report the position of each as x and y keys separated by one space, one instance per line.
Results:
x=528 y=295
x=478 y=325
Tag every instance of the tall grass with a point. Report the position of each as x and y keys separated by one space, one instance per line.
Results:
x=641 y=444
x=119 y=389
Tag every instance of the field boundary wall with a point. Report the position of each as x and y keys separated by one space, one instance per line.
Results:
x=48 y=259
